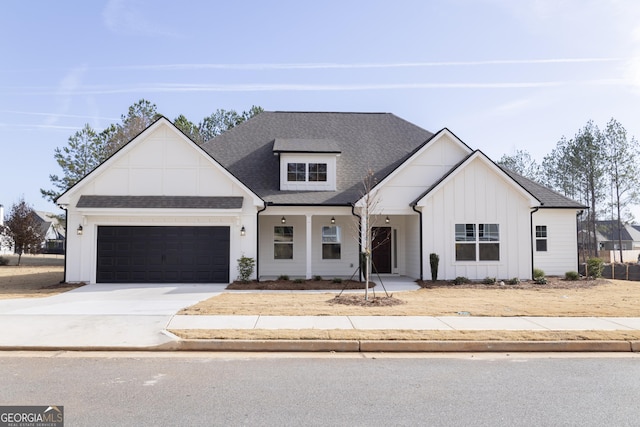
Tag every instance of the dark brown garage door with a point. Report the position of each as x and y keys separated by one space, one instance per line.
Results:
x=163 y=255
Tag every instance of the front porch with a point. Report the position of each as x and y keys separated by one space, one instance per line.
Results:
x=318 y=241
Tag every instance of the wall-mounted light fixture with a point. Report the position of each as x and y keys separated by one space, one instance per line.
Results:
x=79 y=230
x=283 y=220
x=333 y=220
x=387 y=220
x=243 y=231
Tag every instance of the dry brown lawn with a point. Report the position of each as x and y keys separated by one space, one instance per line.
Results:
x=606 y=298
x=603 y=298
x=37 y=276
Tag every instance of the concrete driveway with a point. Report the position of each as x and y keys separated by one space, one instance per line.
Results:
x=98 y=316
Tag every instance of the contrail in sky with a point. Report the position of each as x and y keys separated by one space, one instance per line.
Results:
x=317 y=66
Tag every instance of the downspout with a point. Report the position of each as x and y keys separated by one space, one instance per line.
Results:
x=532 y=238
x=421 y=242
x=258 y=241
x=66 y=234
x=353 y=212
x=579 y=214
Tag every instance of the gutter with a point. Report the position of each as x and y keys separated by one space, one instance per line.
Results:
x=421 y=242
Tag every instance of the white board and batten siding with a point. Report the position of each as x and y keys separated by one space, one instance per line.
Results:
x=562 y=235
x=159 y=162
x=477 y=194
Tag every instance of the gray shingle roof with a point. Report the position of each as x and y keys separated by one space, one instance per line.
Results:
x=548 y=197
x=376 y=141
x=159 y=202
x=609 y=230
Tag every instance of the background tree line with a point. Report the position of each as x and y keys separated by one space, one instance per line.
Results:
x=88 y=148
x=597 y=167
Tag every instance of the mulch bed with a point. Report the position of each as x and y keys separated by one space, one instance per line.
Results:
x=293 y=285
x=552 y=283
x=360 y=301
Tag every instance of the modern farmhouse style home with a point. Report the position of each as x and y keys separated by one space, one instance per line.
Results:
x=286 y=189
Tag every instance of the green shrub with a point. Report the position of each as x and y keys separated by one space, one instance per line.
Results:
x=434 y=260
x=283 y=277
x=514 y=281
x=460 y=280
x=4 y=260
x=571 y=275
x=337 y=280
x=595 y=267
x=245 y=268
x=317 y=278
x=489 y=280
x=538 y=277
x=537 y=273
x=298 y=280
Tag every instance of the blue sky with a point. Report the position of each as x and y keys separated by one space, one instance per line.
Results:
x=501 y=74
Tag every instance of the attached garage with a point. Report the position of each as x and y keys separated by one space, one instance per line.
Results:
x=147 y=254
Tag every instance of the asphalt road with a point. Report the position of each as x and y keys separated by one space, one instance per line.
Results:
x=151 y=389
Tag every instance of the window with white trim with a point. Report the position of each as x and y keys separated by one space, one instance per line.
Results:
x=283 y=242
x=541 y=238
x=306 y=172
x=296 y=172
x=331 y=242
x=477 y=242
x=317 y=172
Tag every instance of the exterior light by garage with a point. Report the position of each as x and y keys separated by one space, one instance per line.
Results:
x=283 y=220
x=243 y=231
x=387 y=220
x=79 y=230
x=333 y=220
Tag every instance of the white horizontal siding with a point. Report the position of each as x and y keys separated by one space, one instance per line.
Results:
x=561 y=255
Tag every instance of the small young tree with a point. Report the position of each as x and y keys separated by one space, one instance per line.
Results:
x=245 y=268
x=23 y=227
x=369 y=213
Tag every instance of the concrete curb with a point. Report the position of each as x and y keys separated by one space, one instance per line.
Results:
x=408 y=346
x=356 y=346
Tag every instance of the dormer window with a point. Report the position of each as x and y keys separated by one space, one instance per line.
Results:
x=311 y=172
x=317 y=171
x=296 y=172
x=307 y=164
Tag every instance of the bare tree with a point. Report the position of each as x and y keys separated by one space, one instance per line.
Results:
x=24 y=228
x=370 y=211
x=623 y=170
x=523 y=164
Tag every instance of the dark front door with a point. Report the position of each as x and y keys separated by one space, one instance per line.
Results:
x=163 y=255
x=381 y=249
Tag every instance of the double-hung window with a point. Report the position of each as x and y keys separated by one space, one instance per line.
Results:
x=283 y=242
x=317 y=172
x=477 y=242
x=306 y=172
x=541 y=238
x=331 y=242
x=296 y=172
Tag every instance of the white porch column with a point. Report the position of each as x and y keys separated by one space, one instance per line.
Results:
x=309 y=246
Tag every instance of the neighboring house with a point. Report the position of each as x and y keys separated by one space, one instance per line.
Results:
x=6 y=243
x=50 y=228
x=285 y=188
x=609 y=236
x=53 y=233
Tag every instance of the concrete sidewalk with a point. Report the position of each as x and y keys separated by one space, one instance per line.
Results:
x=418 y=323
